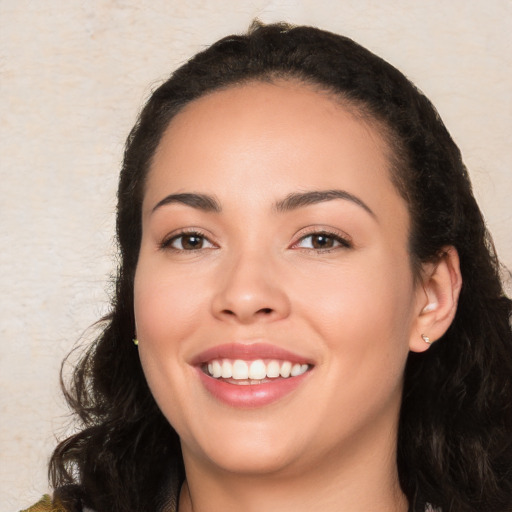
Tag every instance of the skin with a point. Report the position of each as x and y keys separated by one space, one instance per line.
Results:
x=353 y=308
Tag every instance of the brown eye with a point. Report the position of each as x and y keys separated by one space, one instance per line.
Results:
x=189 y=242
x=321 y=241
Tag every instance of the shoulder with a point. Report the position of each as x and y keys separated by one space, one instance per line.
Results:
x=49 y=504
x=45 y=504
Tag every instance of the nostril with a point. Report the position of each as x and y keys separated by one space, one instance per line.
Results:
x=265 y=311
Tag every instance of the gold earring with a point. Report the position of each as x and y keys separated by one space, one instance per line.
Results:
x=135 y=341
x=426 y=339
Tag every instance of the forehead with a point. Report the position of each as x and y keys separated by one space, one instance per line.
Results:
x=285 y=135
x=272 y=106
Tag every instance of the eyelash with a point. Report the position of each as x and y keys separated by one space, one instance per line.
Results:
x=167 y=242
x=344 y=243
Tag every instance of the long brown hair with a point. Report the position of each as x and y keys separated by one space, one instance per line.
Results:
x=455 y=431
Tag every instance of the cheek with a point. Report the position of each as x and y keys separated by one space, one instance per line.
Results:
x=166 y=306
x=362 y=297
x=166 y=314
x=363 y=312
x=167 y=310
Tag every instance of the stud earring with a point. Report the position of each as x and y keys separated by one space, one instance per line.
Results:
x=135 y=341
x=426 y=339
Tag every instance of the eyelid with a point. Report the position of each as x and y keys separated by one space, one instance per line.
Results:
x=174 y=235
x=341 y=237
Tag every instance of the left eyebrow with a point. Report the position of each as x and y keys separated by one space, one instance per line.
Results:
x=301 y=199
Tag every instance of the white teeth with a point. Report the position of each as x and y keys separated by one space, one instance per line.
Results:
x=257 y=370
x=273 y=369
x=240 y=370
x=217 y=369
x=298 y=369
x=286 y=369
x=254 y=370
x=227 y=370
x=295 y=370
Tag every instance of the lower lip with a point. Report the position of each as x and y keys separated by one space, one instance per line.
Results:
x=252 y=395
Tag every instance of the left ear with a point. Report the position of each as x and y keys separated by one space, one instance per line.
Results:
x=438 y=295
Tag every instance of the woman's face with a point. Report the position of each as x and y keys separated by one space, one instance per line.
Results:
x=273 y=242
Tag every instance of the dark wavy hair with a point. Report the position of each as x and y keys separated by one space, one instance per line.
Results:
x=455 y=430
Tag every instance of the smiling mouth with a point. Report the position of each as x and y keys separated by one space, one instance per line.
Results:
x=253 y=372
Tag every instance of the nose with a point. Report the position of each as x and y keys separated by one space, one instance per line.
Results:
x=249 y=290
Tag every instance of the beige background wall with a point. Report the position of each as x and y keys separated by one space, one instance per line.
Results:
x=73 y=76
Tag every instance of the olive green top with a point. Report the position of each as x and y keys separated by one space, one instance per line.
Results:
x=48 y=504
x=45 y=504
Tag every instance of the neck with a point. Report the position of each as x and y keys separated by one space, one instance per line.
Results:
x=358 y=484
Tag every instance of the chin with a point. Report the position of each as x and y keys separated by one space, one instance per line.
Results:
x=246 y=449
x=249 y=462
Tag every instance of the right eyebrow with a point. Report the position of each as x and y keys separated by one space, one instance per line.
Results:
x=200 y=201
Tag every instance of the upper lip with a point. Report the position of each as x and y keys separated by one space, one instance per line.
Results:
x=248 y=352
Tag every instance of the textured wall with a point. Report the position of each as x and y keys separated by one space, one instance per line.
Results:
x=73 y=76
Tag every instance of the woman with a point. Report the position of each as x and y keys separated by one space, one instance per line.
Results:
x=315 y=302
